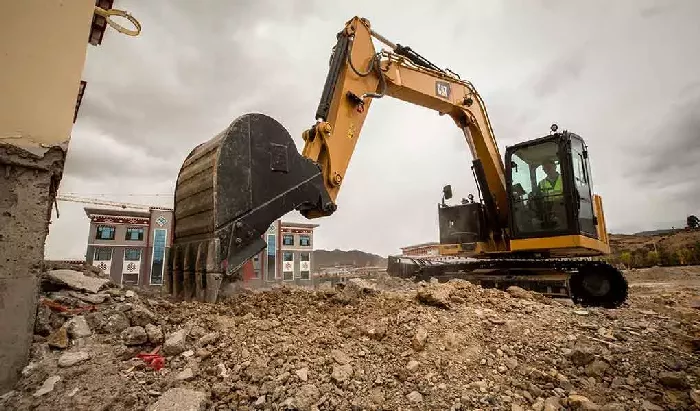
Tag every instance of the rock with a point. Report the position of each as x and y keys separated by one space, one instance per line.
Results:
x=419 y=339
x=129 y=294
x=341 y=373
x=518 y=292
x=47 y=386
x=614 y=406
x=378 y=331
x=511 y=363
x=78 y=327
x=207 y=339
x=42 y=323
x=306 y=397
x=134 y=336
x=90 y=298
x=188 y=353
x=437 y=295
x=58 y=339
x=412 y=365
x=596 y=369
x=180 y=399
x=676 y=380
x=340 y=357
x=376 y=395
x=260 y=402
x=141 y=316
x=552 y=404
x=564 y=382
x=695 y=396
x=581 y=312
x=154 y=333
x=175 y=343
x=414 y=396
x=535 y=390
x=650 y=406
x=579 y=402
x=116 y=323
x=302 y=373
x=70 y=359
x=76 y=280
x=185 y=375
x=582 y=355
x=355 y=288
x=538 y=405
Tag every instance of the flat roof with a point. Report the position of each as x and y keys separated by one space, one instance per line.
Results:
x=298 y=225
x=116 y=212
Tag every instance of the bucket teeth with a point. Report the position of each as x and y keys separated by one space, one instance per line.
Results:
x=192 y=272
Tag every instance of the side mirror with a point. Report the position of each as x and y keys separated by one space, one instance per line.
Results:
x=447 y=192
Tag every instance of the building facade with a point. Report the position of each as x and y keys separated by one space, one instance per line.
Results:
x=130 y=245
x=287 y=259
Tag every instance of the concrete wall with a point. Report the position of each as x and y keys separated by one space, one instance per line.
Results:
x=42 y=54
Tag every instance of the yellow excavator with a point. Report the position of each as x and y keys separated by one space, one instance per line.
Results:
x=537 y=224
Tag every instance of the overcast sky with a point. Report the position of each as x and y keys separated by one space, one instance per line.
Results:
x=625 y=75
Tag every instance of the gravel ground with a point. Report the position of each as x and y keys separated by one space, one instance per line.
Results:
x=391 y=345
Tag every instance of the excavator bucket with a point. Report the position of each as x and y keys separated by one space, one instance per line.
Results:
x=228 y=192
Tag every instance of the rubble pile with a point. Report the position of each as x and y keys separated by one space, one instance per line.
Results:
x=363 y=346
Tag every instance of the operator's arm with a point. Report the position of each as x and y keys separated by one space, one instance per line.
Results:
x=358 y=74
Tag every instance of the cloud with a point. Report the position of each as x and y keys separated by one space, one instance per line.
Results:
x=624 y=75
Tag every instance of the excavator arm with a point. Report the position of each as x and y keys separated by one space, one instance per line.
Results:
x=233 y=187
x=358 y=75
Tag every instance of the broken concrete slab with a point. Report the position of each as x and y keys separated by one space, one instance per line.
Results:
x=180 y=399
x=47 y=386
x=78 y=327
x=70 y=359
x=77 y=280
x=176 y=342
x=89 y=298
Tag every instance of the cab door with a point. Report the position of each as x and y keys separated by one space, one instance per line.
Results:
x=583 y=203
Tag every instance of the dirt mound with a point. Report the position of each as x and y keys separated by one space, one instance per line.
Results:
x=447 y=346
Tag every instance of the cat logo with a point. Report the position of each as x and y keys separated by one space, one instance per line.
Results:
x=442 y=89
x=351 y=131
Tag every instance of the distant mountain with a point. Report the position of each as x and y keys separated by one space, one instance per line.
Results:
x=357 y=258
x=659 y=232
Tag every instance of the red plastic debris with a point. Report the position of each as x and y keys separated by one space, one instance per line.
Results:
x=153 y=359
x=62 y=308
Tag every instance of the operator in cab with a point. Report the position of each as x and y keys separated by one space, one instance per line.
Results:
x=551 y=184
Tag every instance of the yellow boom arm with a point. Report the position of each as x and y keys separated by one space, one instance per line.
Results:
x=358 y=74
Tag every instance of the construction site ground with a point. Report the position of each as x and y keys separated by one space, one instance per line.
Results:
x=387 y=344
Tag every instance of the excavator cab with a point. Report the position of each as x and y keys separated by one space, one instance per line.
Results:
x=552 y=208
x=549 y=185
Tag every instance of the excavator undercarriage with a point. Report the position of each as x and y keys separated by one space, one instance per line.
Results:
x=585 y=281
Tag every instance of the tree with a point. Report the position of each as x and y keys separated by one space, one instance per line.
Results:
x=653 y=258
x=693 y=221
x=626 y=258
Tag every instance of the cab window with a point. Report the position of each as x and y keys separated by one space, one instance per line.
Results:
x=537 y=189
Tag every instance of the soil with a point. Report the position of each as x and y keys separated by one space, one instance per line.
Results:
x=373 y=345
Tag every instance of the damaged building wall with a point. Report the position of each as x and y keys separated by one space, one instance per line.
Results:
x=42 y=60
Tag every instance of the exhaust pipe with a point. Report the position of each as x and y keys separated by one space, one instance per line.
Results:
x=230 y=189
